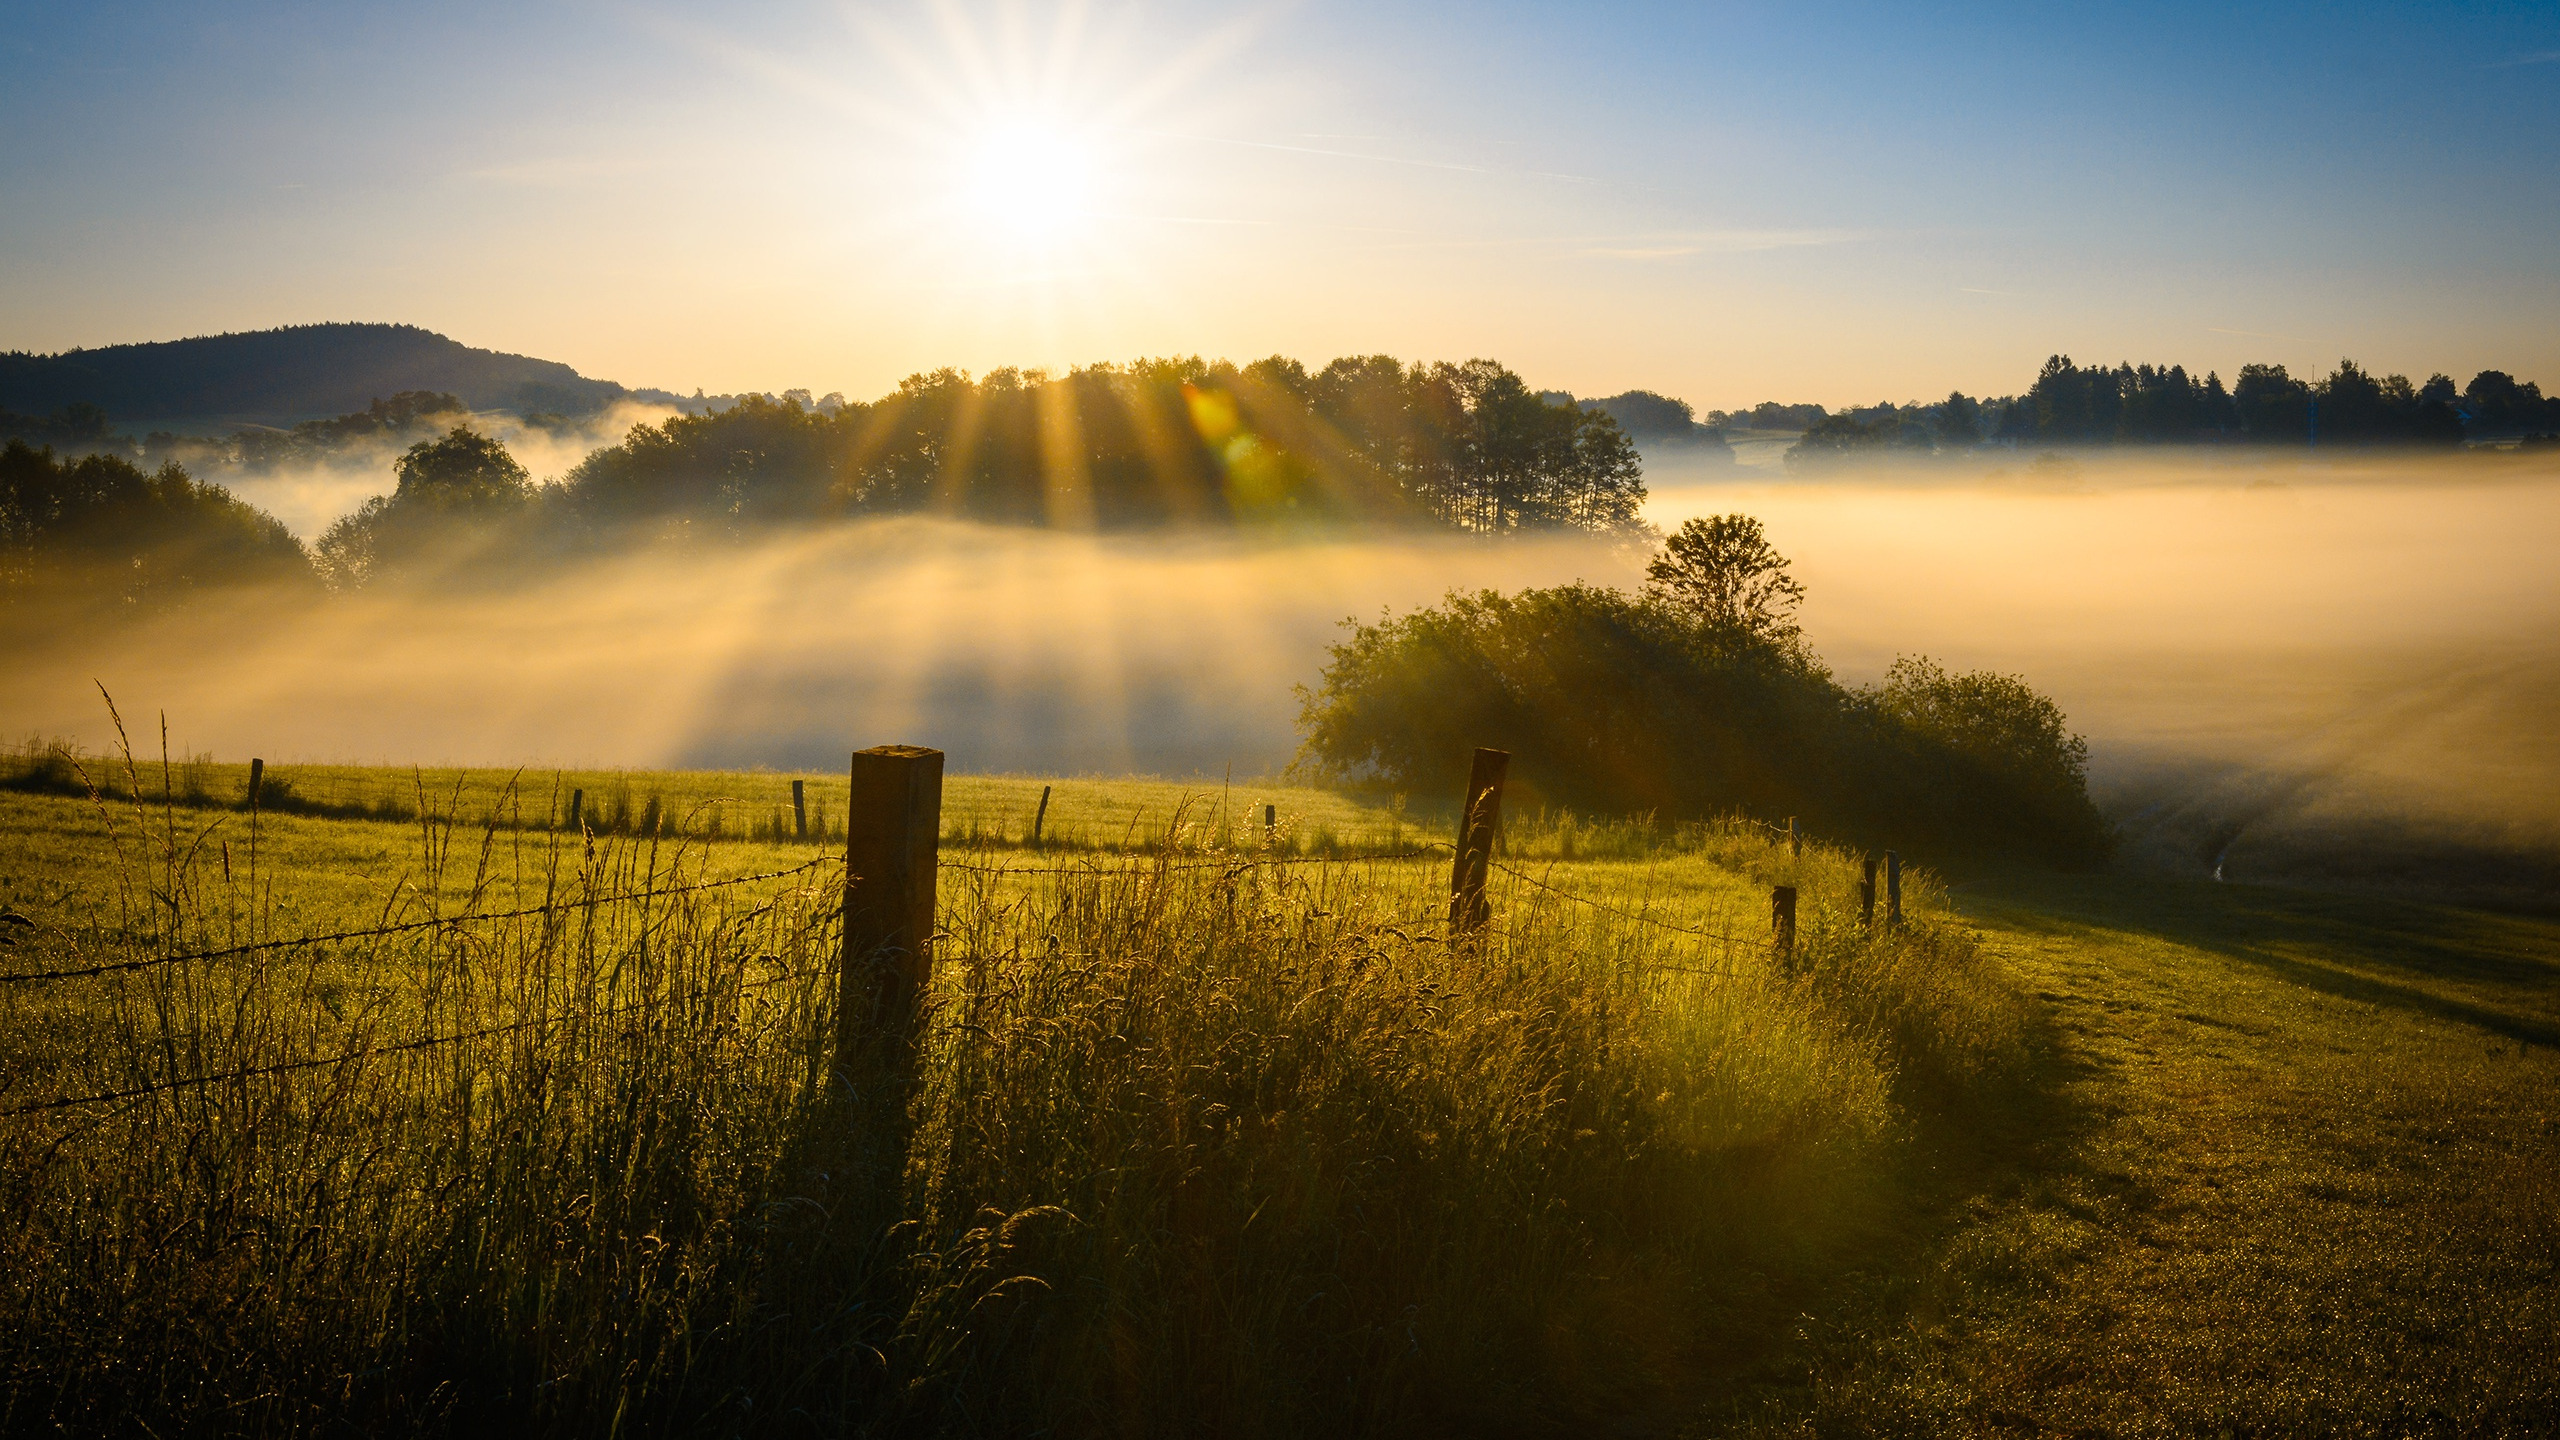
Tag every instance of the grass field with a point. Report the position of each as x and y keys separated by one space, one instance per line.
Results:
x=2294 y=1168
x=1084 y=812
x=1199 y=1143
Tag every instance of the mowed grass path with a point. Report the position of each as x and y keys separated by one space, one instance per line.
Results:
x=2297 y=1171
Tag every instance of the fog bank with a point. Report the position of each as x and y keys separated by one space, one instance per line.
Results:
x=2271 y=660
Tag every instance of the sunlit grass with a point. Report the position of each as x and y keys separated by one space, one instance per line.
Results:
x=1245 y=1148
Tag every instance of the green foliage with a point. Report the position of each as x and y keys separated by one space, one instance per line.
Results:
x=1661 y=421
x=2004 y=755
x=1615 y=704
x=1836 y=438
x=1959 y=421
x=1155 y=442
x=99 y=528
x=405 y=413
x=2148 y=404
x=76 y=426
x=2496 y=403
x=456 y=495
x=1768 y=415
x=1722 y=570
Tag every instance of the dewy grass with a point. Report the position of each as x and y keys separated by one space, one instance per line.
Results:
x=1195 y=1143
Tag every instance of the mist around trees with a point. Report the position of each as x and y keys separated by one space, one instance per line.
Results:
x=1697 y=696
x=2265 y=405
x=1366 y=441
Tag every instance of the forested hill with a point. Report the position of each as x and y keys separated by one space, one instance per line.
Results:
x=281 y=377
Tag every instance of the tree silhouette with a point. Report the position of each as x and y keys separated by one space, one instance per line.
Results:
x=1722 y=569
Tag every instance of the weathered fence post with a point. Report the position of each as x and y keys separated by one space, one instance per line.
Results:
x=1867 y=893
x=800 y=809
x=1795 y=840
x=1479 y=823
x=257 y=774
x=1270 y=824
x=1782 y=921
x=893 y=835
x=1040 y=816
x=1892 y=887
x=577 y=804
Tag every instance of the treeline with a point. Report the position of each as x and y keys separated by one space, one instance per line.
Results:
x=2165 y=405
x=1158 y=442
x=1367 y=440
x=1697 y=697
x=99 y=534
x=84 y=429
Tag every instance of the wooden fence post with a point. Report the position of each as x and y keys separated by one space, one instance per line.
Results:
x=1040 y=816
x=577 y=804
x=257 y=777
x=800 y=809
x=1270 y=824
x=1867 y=893
x=893 y=835
x=1795 y=840
x=1479 y=824
x=1892 y=887
x=1782 y=920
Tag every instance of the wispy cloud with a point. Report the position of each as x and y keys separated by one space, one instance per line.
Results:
x=2538 y=57
x=1978 y=290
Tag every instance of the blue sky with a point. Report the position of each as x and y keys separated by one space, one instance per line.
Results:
x=1730 y=203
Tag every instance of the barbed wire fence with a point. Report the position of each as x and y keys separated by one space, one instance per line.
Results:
x=1469 y=919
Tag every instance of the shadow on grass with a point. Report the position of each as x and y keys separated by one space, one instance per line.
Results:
x=2400 y=954
x=2022 y=1144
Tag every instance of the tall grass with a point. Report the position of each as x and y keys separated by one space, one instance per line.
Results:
x=1203 y=1145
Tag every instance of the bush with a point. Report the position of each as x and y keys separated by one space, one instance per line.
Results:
x=1621 y=704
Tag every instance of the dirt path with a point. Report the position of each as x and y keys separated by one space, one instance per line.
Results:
x=2296 y=1169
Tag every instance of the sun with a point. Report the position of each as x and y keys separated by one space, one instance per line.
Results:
x=1030 y=180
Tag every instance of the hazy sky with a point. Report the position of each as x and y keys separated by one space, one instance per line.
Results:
x=1728 y=202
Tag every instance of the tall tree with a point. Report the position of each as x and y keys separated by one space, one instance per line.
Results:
x=1723 y=570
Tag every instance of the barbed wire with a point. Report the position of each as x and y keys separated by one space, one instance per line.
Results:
x=406 y=926
x=1640 y=918
x=369 y=1052
x=1240 y=862
x=486 y=1032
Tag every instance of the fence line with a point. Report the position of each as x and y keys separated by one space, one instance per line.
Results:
x=427 y=1043
x=1242 y=861
x=1088 y=868
x=436 y=1041
x=376 y=931
x=1638 y=917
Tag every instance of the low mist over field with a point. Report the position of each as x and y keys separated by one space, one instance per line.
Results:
x=1013 y=649
x=2266 y=655
x=2263 y=654
x=308 y=493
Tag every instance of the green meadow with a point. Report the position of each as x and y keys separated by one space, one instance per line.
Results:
x=1216 y=1130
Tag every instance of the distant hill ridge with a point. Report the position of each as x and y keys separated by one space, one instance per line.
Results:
x=300 y=372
